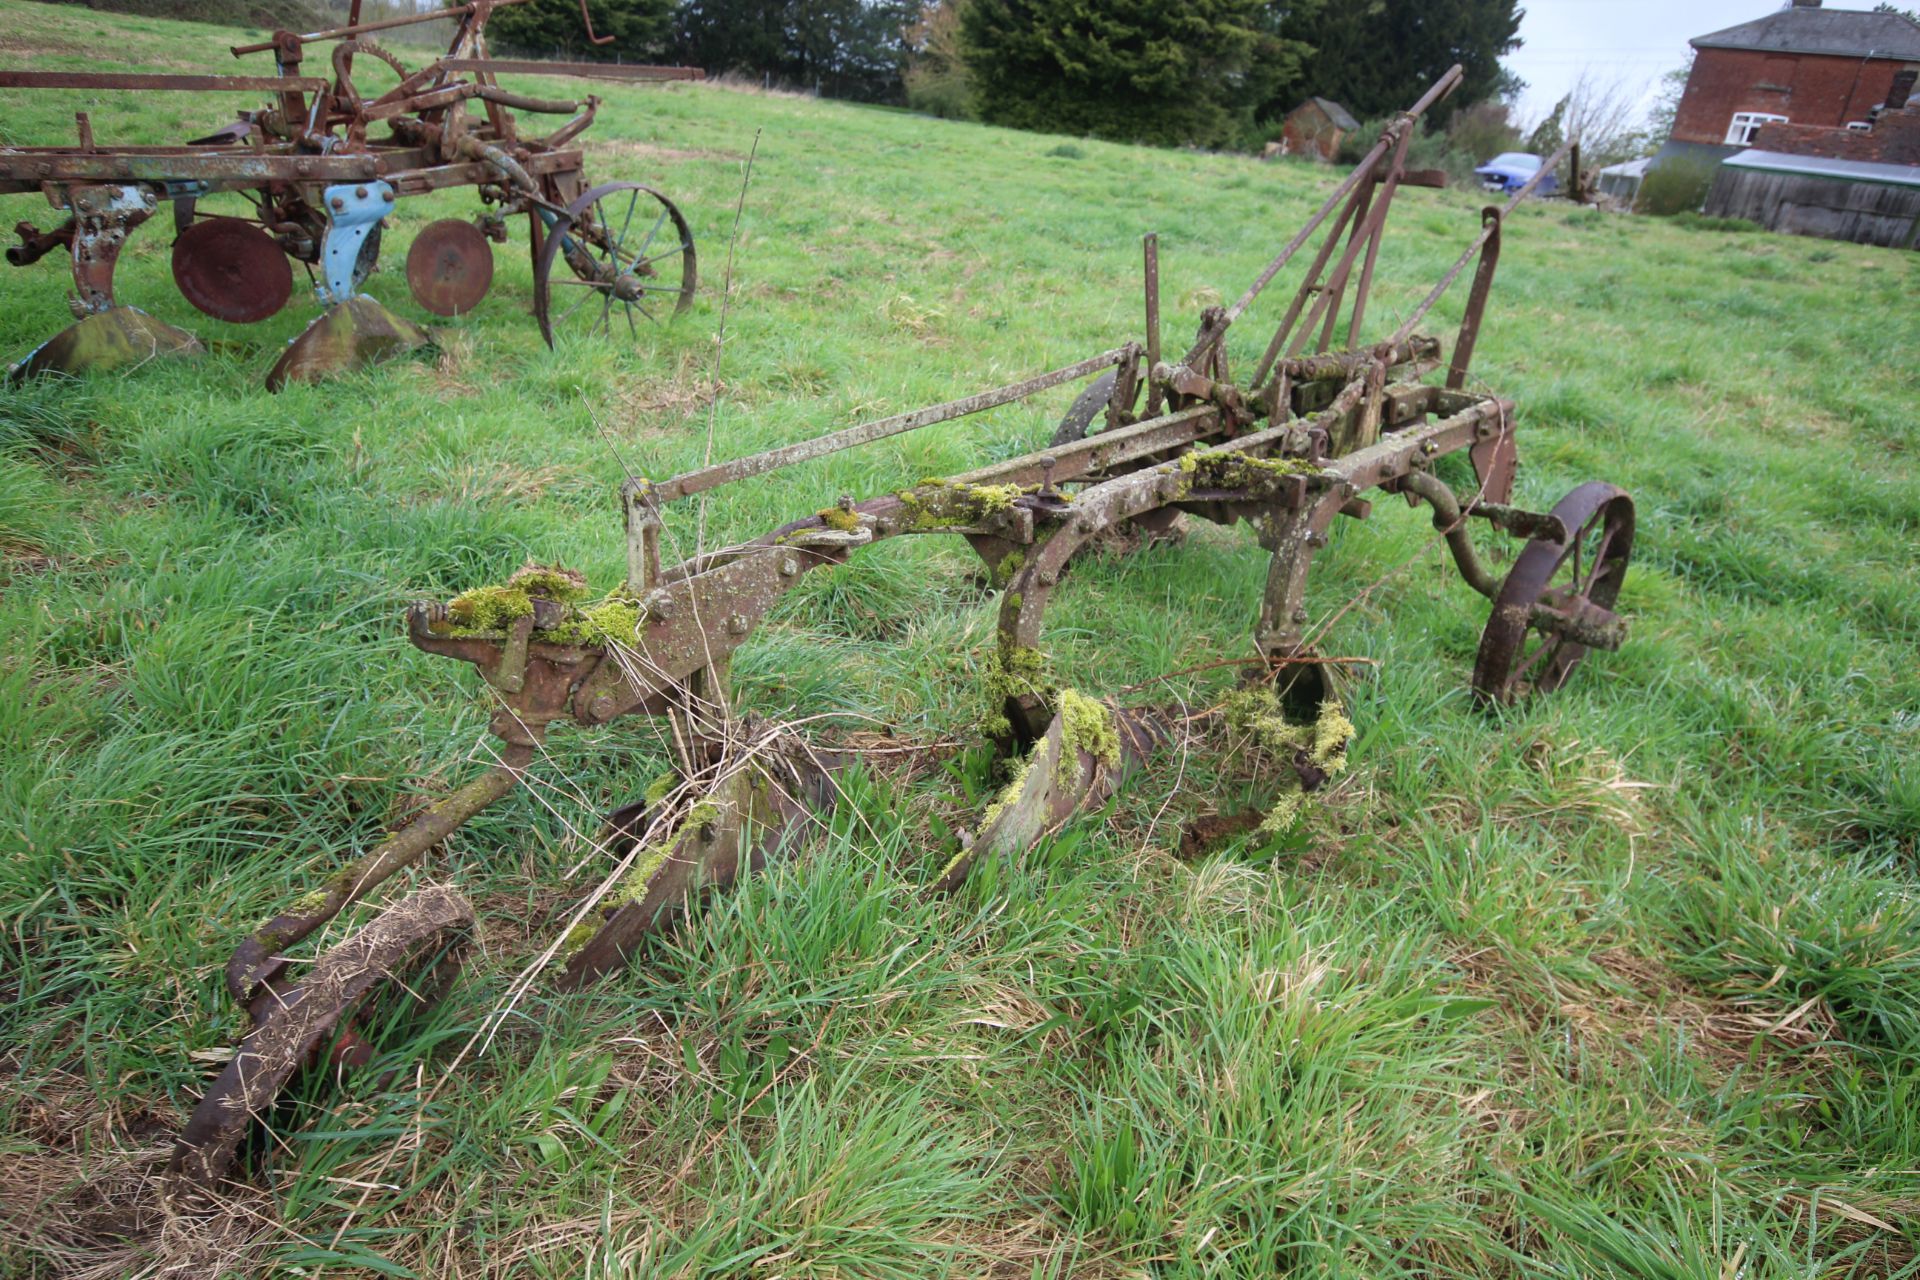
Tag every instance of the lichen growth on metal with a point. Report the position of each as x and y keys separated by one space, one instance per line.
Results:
x=1086 y=724
x=1234 y=469
x=308 y=902
x=487 y=610
x=633 y=886
x=1257 y=713
x=945 y=504
x=660 y=788
x=1011 y=793
x=494 y=608
x=616 y=618
x=966 y=851
x=1012 y=671
x=1010 y=564
x=550 y=582
x=576 y=938
x=838 y=518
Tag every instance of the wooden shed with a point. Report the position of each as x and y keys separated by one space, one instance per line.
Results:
x=1315 y=128
x=1854 y=200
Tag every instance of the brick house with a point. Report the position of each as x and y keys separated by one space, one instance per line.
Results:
x=1803 y=65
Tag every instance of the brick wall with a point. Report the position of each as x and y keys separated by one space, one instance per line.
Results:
x=1807 y=89
x=1895 y=140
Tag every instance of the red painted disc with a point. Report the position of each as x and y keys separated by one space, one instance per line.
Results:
x=450 y=267
x=232 y=270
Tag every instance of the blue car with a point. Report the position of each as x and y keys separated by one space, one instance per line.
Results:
x=1512 y=171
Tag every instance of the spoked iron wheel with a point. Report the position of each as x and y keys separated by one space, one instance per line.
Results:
x=1077 y=424
x=1574 y=583
x=1087 y=416
x=362 y=990
x=622 y=254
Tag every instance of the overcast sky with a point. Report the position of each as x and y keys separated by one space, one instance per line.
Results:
x=1625 y=42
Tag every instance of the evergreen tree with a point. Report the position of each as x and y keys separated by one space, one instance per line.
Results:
x=543 y=28
x=1374 y=57
x=1159 y=71
x=841 y=48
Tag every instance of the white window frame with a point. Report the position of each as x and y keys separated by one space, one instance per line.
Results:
x=1746 y=124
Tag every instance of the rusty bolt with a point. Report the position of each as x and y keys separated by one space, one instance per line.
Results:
x=602 y=707
x=303 y=167
x=388 y=193
x=1429 y=447
x=1300 y=615
x=1316 y=539
x=337 y=203
x=1484 y=431
x=789 y=566
x=737 y=624
x=360 y=193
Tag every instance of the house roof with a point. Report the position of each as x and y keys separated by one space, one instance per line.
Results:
x=1628 y=169
x=1851 y=33
x=1342 y=119
x=1898 y=175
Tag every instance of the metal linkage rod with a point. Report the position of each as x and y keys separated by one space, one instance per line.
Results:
x=131 y=80
x=384 y=24
x=1486 y=233
x=692 y=482
x=1361 y=173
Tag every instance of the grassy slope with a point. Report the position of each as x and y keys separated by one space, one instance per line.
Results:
x=1624 y=982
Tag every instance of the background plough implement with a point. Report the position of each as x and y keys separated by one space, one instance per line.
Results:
x=1287 y=447
x=311 y=178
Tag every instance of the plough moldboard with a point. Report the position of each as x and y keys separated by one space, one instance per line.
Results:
x=1287 y=448
x=319 y=170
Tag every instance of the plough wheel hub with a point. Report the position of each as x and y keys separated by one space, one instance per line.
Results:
x=347 y=335
x=231 y=270
x=450 y=267
x=111 y=339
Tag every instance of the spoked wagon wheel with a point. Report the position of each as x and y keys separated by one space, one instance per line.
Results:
x=621 y=254
x=1087 y=416
x=1558 y=598
x=1077 y=424
x=375 y=982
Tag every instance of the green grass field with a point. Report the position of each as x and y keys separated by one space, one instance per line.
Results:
x=1625 y=982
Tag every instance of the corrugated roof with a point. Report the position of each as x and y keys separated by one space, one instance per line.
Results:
x=1898 y=175
x=1342 y=119
x=1849 y=33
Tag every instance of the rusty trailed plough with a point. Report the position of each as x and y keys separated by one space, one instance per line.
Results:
x=1289 y=447
x=321 y=168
